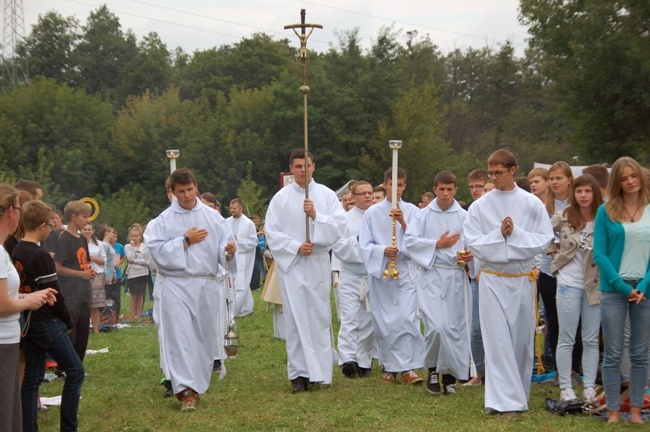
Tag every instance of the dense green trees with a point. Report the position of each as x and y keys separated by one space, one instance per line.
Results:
x=102 y=107
x=597 y=52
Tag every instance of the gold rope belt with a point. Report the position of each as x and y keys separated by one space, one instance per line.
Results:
x=538 y=338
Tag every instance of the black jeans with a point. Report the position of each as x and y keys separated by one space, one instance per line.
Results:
x=80 y=316
x=51 y=336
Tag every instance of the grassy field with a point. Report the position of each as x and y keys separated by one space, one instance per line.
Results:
x=122 y=393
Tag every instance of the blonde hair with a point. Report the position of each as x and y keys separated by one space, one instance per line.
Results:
x=550 y=197
x=75 y=208
x=137 y=228
x=615 y=205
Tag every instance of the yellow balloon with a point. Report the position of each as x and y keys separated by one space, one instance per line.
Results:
x=94 y=207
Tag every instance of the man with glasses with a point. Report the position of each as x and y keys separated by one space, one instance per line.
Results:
x=356 y=340
x=505 y=230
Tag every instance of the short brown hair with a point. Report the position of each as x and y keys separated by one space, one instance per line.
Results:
x=599 y=172
x=181 y=176
x=379 y=188
x=358 y=183
x=75 y=208
x=237 y=201
x=28 y=186
x=300 y=154
x=502 y=157
x=388 y=174
x=35 y=214
x=478 y=174
x=445 y=177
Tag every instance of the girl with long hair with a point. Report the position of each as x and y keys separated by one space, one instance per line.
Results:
x=578 y=297
x=622 y=251
x=138 y=271
x=557 y=199
x=97 y=261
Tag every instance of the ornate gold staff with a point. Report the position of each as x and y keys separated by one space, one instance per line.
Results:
x=392 y=271
x=304 y=89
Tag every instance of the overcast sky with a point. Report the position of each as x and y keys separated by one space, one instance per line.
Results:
x=202 y=24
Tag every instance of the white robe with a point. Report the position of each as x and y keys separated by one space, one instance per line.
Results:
x=246 y=236
x=393 y=303
x=507 y=304
x=189 y=295
x=305 y=280
x=443 y=288
x=356 y=341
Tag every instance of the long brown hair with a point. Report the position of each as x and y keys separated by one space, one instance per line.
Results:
x=615 y=205
x=550 y=196
x=572 y=213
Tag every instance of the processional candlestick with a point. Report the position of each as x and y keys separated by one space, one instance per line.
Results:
x=304 y=89
x=391 y=271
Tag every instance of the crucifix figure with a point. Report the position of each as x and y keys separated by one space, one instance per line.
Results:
x=304 y=88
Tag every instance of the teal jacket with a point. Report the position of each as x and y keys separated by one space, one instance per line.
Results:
x=609 y=240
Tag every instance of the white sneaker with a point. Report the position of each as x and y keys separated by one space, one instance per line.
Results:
x=589 y=394
x=567 y=394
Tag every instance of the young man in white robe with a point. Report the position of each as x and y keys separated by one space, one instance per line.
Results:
x=505 y=229
x=444 y=298
x=393 y=302
x=186 y=242
x=246 y=237
x=356 y=341
x=303 y=269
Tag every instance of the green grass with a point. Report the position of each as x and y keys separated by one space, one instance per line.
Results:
x=122 y=393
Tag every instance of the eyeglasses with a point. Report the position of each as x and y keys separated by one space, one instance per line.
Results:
x=16 y=208
x=497 y=173
x=475 y=187
x=363 y=193
x=52 y=226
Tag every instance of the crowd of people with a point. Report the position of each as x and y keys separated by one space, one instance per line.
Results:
x=469 y=274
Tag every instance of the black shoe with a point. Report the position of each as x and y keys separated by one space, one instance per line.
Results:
x=216 y=367
x=433 y=385
x=350 y=369
x=300 y=385
x=448 y=384
x=364 y=372
x=168 y=388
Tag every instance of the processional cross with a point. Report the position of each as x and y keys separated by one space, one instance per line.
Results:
x=304 y=89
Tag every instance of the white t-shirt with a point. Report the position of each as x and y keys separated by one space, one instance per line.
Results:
x=9 y=325
x=571 y=274
x=97 y=251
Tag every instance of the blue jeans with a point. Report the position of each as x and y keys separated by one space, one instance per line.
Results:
x=476 y=338
x=614 y=308
x=572 y=304
x=51 y=336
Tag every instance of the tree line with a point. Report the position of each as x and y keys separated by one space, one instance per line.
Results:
x=101 y=107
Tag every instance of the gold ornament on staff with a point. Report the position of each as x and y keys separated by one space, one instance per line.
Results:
x=392 y=271
x=304 y=89
x=94 y=207
x=460 y=262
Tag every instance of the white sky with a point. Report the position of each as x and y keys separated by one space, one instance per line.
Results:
x=203 y=24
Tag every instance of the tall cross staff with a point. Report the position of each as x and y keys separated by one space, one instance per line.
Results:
x=304 y=89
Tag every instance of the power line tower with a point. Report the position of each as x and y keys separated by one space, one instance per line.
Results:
x=15 y=71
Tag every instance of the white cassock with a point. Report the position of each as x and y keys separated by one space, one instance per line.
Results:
x=189 y=294
x=356 y=340
x=443 y=288
x=507 y=303
x=244 y=230
x=393 y=303
x=305 y=281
